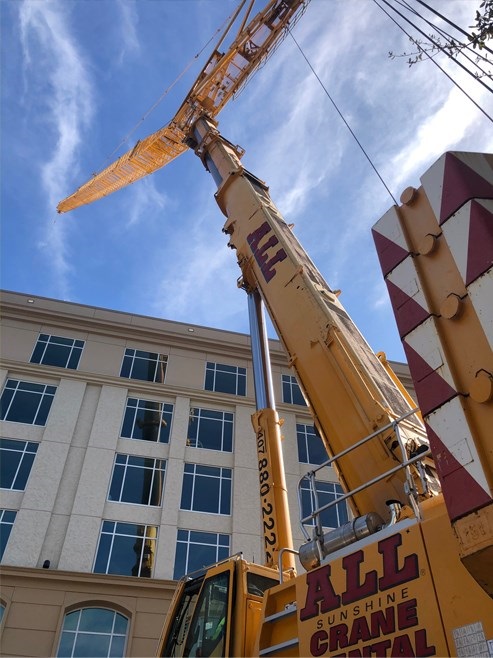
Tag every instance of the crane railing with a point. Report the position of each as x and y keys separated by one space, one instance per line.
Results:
x=410 y=491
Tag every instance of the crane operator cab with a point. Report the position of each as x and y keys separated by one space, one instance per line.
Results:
x=213 y=609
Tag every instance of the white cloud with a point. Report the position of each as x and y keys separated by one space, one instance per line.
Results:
x=51 y=59
x=129 y=21
x=145 y=200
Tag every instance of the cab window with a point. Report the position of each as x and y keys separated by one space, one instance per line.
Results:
x=207 y=633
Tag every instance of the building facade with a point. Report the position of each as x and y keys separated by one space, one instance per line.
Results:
x=128 y=460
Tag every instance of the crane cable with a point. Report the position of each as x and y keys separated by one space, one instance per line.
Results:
x=372 y=164
x=170 y=87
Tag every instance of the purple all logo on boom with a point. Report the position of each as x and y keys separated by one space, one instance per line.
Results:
x=260 y=254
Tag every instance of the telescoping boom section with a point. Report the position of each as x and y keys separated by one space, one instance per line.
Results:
x=348 y=390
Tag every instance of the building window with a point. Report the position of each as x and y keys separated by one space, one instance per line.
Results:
x=138 y=480
x=195 y=550
x=93 y=632
x=291 y=391
x=206 y=489
x=16 y=460
x=327 y=492
x=57 y=351
x=126 y=549
x=26 y=402
x=311 y=449
x=7 y=518
x=210 y=429
x=147 y=366
x=225 y=379
x=147 y=420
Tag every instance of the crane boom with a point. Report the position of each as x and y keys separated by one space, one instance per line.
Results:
x=410 y=573
x=222 y=77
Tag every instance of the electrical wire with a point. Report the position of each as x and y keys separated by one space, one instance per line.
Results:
x=463 y=49
x=444 y=18
x=427 y=54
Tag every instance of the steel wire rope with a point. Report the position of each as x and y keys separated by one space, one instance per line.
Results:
x=450 y=39
x=170 y=87
x=339 y=112
x=429 y=56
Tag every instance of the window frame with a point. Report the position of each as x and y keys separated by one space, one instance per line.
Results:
x=107 y=558
x=305 y=434
x=44 y=395
x=125 y=464
x=167 y=409
x=190 y=543
x=3 y=544
x=190 y=473
x=160 y=359
x=204 y=415
x=78 y=631
x=24 y=457
x=51 y=340
x=212 y=368
x=292 y=384
x=337 y=493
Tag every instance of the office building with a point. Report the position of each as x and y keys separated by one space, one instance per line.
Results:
x=128 y=459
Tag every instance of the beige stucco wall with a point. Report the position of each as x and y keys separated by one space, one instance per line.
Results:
x=36 y=601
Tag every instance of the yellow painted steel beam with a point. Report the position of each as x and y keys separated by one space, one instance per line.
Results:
x=221 y=78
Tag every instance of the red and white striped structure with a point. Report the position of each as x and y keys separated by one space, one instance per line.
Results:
x=436 y=253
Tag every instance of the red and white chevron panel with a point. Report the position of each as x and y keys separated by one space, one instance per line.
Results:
x=458 y=177
x=390 y=241
x=459 y=188
x=433 y=381
x=481 y=295
x=407 y=297
x=469 y=236
x=458 y=463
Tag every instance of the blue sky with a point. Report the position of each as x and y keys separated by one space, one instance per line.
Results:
x=78 y=75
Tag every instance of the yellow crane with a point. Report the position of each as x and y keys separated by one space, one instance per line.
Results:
x=403 y=577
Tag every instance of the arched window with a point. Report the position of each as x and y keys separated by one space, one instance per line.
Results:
x=95 y=632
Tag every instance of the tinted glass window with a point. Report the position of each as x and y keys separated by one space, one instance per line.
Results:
x=225 y=379
x=326 y=493
x=207 y=633
x=311 y=449
x=206 y=489
x=93 y=632
x=147 y=366
x=291 y=392
x=138 y=480
x=7 y=518
x=210 y=429
x=195 y=550
x=26 y=402
x=16 y=460
x=147 y=420
x=126 y=549
x=57 y=351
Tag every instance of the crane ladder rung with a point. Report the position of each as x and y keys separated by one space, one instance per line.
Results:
x=278 y=647
x=279 y=615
